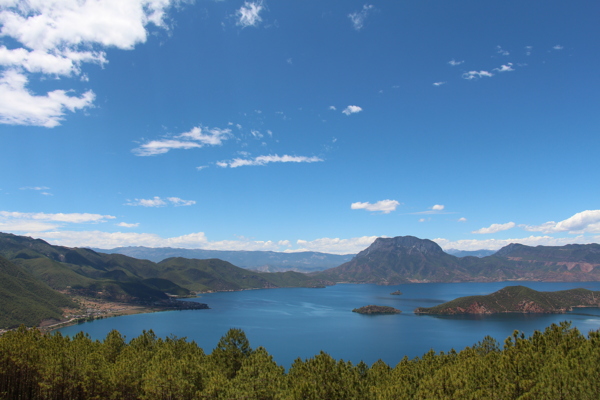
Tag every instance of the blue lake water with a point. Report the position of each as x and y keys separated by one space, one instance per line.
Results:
x=300 y=322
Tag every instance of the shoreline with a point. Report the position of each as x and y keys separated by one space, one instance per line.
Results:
x=92 y=309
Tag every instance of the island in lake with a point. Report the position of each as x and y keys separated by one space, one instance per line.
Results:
x=396 y=293
x=517 y=299
x=372 y=309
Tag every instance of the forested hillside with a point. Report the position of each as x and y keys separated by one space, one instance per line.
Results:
x=123 y=278
x=559 y=363
x=26 y=300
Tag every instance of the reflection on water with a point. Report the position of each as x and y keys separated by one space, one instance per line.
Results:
x=299 y=322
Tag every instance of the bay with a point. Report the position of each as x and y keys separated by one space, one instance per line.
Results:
x=300 y=322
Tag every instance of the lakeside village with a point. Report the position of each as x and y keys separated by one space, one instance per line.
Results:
x=93 y=308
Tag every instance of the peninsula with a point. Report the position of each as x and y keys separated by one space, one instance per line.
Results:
x=517 y=299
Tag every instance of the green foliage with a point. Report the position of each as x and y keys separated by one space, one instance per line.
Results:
x=517 y=299
x=24 y=299
x=559 y=363
x=123 y=278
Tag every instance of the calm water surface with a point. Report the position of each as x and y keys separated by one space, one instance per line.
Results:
x=300 y=322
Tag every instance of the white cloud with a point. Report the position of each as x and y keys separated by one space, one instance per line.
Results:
x=126 y=225
x=36 y=222
x=383 y=206
x=18 y=106
x=494 y=228
x=495 y=244
x=476 y=74
x=422 y=220
x=56 y=38
x=332 y=108
x=501 y=51
x=462 y=219
x=558 y=47
x=358 y=18
x=454 y=63
x=435 y=209
x=352 y=110
x=194 y=139
x=249 y=14
x=336 y=245
x=154 y=202
x=263 y=160
x=177 y=202
x=439 y=83
x=201 y=167
x=505 y=68
x=198 y=240
x=159 y=202
x=528 y=50
x=35 y=188
x=583 y=222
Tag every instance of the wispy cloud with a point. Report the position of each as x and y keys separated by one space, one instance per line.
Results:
x=358 y=18
x=383 y=206
x=462 y=219
x=476 y=74
x=54 y=38
x=249 y=14
x=494 y=228
x=35 y=188
x=501 y=51
x=439 y=83
x=583 y=222
x=505 y=68
x=495 y=244
x=157 y=201
x=177 y=202
x=528 y=50
x=558 y=47
x=11 y=221
x=198 y=137
x=264 y=160
x=454 y=63
x=352 y=110
x=126 y=225
x=435 y=209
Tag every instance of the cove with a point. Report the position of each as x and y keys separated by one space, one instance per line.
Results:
x=300 y=322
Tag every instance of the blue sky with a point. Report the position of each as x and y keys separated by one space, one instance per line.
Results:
x=299 y=125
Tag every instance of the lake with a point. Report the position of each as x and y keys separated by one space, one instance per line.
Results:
x=300 y=322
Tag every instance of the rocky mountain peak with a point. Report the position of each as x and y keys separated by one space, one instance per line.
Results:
x=407 y=244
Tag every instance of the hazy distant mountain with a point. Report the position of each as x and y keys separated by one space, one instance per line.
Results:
x=467 y=253
x=264 y=261
x=406 y=259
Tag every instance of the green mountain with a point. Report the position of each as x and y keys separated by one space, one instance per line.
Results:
x=407 y=259
x=517 y=299
x=26 y=300
x=264 y=261
x=119 y=277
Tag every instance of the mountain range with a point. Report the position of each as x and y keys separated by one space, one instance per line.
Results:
x=407 y=259
x=32 y=271
x=264 y=261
